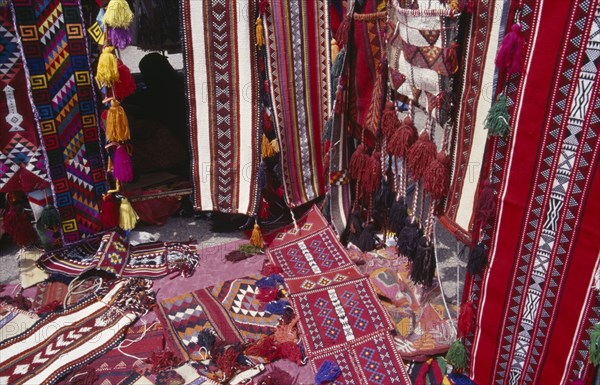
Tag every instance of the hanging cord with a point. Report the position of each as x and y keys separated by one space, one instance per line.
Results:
x=131 y=342
x=75 y=284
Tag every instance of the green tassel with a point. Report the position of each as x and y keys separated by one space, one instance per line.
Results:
x=457 y=355
x=595 y=345
x=498 y=117
x=50 y=217
x=336 y=68
x=45 y=241
x=250 y=249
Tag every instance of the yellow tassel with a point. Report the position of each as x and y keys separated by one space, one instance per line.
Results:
x=335 y=49
x=256 y=239
x=275 y=146
x=117 y=126
x=118 y=14
x=260 y=33
x=454 y=5
x=107 y=73
x=266 y=148
x=127 y=215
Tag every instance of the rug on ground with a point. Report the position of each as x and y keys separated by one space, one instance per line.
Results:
x=341 y=318
x=55 y=53
x=223 y=115
x=546 y=228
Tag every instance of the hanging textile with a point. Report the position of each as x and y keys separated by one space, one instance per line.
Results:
x=222 y=87
x=22 y=166
x=298 y=55
x=55 y=51
x=536 y=304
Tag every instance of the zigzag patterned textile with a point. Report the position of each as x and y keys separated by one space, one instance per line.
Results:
x=230 y=308
x=55 y=52
x=341 y=318
x=297 y=43
x=22 y=166
x=65 y=340
x=534 y=327
x=222 y=87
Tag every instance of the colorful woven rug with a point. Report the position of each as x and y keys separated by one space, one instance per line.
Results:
x=62 y=341
x=111 y=253
x=230 y=309
x=341 y=318
x=22 y=166
x=297 y=43
x=53 y=40
x=222 y=88
x=484 y=33
x=536 y=303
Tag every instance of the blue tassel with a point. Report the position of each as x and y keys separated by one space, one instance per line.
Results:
x=460 y=379
x=277 y=307
x=327 y=373
x=271 y=281
x=278 y=278
x=262 y=176
x=206 y=338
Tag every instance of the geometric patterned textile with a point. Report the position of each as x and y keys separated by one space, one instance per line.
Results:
x=222 y=83
x=536 y=303
x=64 y=340
x=340 y=316
x=53 y=41
x=230 y=309
x=14 y=321
x=484 y=34
x=22 y=165
x=298 y=60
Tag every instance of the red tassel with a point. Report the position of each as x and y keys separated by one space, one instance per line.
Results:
x=263 y=211
x=403 y=138
x=265 y=348
x=17 y=225
x=267 y=294
x=109 y=212
x=227 y=362
x=290 y=351
x=162 y=360
x=358 y=161
x=263 y=6
x=342 y=33
x=466 y=319
x=389 y=120
x=436 y=180
x=126 y=85
x=271 y=269
x=510 y=54
x=267 y=124
x=420 y=155
x=371 y=174
x=451 y=59
x=122 y=168
x=486 y=204
x=338 y=105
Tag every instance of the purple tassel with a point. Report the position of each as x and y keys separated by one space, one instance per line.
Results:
x=460 y=379
x=510 y=54
x=119 y=37
x=122 y=169
x=327 y=373
x=277 y=307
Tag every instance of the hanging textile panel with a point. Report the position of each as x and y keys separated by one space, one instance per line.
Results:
x=222 y=87
x=22 y=166
x=56 y=55
x=297 y=43
x=537 y=296
x=478 y=71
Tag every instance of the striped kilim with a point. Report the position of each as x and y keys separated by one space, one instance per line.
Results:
x=536 y=304
x=297 y=43
x=22 y=166
x=56 y=56
x=222 y=88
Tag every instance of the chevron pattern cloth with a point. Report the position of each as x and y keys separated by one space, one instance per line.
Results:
x=222 y=87
x=54 y=45
x=536 y=304
x=298 y=60
x=341 y=318
x=22 y=166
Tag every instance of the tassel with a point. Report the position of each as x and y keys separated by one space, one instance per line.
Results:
x=338 y=64
x=457 y=355
x=126 y=84
x=107 y=73
x=577 y=381
x=398 y=215
x=466 y=319
x=50 y=217
x=260 y=33
x=477 y=259
x=423 y=266
x=118 y=14
x=353 y=229
x=327 y=373
x=46 y=242
x=271 y=280
x=262 y=176
x=119 y=37
x=266 y=148
x=109 y=211
x=123 y=171
x=510 y=54
x=358 y=161
x=341 y=36
x=420 y=155
x=366 y=242
x=242 y=253
x=595 y=345
x=275 y=146
x=263 y=209
x=486 y=204
x=403 y=138
x=408 y=239
x=389 y=120
x=436 y=180
x=267 y=294
x=460 y=379
x=256 y=239
x=127 y=216
x=371 y=175
x=117 y=126
x=497 y=120
x=17 y=225
x=451 y=59
x=277 y=307
x=335 y=49
x=267 y=123
x=384 y=197
x=270 y=269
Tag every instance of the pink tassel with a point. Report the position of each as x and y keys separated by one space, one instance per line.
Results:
x=510 y=54
x=123 y=171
